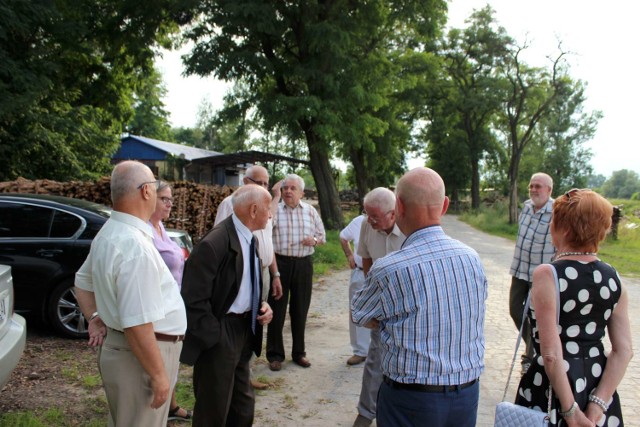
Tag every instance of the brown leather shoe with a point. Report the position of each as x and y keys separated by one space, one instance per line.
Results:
x=356 y=360
x=258 y=385
x=276 y=365
x=302 y=361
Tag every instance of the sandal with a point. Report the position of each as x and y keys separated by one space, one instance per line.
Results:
x=173 y=414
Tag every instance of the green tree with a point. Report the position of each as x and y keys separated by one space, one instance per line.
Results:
x=558 y=147
x=470 y=94
x=531 y=93
x=68 y=72
x=150 y=118
x=316 y=71
x=622 y=185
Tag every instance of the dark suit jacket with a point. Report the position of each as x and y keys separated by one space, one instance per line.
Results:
x=210 y=284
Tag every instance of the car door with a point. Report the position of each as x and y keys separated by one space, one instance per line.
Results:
x=38 y=243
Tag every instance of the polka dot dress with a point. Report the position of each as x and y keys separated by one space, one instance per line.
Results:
x=589 y=293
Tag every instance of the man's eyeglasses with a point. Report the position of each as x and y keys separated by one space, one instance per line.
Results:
x=156 y=182
x=167 y=200
x=262 y=183
x=375 y=219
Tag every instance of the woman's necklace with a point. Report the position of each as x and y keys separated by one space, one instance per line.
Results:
x=564 y=254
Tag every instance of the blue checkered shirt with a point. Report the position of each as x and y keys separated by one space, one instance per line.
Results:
x=429 y=298
x=533 y=246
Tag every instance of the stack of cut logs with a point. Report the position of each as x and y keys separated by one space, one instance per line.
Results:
x=194 y=209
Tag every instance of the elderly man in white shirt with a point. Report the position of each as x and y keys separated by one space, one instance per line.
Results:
x=132 y=302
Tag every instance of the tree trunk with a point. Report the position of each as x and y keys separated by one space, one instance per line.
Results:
x=513 y=183
x=328 y=197
x=475 y=183
x=360 y=173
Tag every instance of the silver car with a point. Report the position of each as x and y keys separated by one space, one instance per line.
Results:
x=13 y=328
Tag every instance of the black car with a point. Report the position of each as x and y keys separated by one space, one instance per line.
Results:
x=45 y=239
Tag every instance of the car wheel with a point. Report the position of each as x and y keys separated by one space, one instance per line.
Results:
x=64 y=312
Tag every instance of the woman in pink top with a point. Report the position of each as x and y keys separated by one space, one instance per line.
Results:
x=174 y=258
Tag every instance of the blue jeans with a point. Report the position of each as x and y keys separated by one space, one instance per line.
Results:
x=404 y=408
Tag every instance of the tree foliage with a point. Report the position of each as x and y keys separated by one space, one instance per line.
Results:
x=68 y=71
x=318 y=72
x=466 y=100
x=622 y=185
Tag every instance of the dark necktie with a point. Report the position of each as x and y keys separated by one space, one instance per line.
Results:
x=255 y=289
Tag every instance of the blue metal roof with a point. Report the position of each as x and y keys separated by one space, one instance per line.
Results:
x=142 y=148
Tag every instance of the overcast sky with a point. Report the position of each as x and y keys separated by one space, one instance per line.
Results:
x=603 y=37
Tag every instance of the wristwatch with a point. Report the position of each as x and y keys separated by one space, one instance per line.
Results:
x=276 y=274
x=315 y=241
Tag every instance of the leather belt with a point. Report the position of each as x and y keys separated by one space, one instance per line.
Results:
x=170 y=338
x=427 y=388
x=159 y=336
x=240 y=315
x=287 y=257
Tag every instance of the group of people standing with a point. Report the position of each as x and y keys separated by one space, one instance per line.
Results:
x=417 y=303
x=425 y=300
x=148 y=309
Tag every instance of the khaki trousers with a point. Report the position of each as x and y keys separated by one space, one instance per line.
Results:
x=127 y=385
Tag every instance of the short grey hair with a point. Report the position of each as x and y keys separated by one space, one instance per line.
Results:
x=294 y=177
x=380 y=197
x=126 y=176
x=162 y=185
x=248 y=194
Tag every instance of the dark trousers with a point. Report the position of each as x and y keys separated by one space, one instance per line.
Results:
x=517 y=297
x=296 y=276
x=224 y=396
x=406 y=408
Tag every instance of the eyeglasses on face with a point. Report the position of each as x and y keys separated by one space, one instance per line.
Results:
x=167 y=200
x=376 y=219
x=156 y=182
x=262 y=183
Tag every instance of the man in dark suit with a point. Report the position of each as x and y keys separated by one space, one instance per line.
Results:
x=221 y=292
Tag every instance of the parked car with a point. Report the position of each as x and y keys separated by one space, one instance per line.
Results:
x=13 y=328
x=45 y=239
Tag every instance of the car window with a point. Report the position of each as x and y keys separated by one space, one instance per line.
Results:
x=23 y=220
x=64 y=224
x=18 y=220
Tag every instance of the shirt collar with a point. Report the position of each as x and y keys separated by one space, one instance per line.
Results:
x=241 y=228
x=133 y=221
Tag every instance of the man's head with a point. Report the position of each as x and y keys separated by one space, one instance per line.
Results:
x=133 y=189
x=540 y=188
x=256 y=175
x=251 y=204
x=292 y=190
x=379 y=206
x=420 y=200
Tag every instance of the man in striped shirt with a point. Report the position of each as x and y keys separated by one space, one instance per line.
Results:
x=428 y=300
x=297 y=230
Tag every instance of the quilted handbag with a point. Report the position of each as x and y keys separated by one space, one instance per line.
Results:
x=511 y=415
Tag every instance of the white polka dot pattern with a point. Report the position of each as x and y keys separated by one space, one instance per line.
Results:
x=589 y=291
x=597 y=276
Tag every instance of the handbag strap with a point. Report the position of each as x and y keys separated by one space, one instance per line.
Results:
x=524 y=316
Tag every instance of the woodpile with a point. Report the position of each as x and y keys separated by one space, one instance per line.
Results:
x=194 y=209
